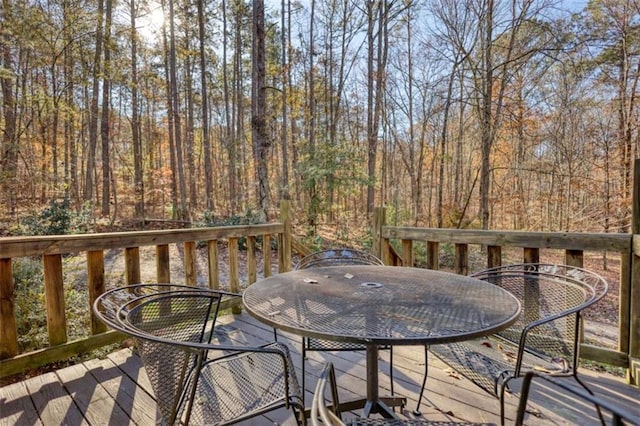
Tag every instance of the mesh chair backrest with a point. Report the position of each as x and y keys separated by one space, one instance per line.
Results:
x=171 y=314
x=550 y=295
x=340 y=256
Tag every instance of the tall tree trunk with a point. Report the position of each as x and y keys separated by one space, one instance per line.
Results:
x=106 y=110
x=284 y=185
x=175 y=101
x=135 y=119
x=170 y=122
x=486 y=114
x=93 y=113
x=206 y=140
x=190 y=130
x=313 y=196
x=9 y=154
x=261 y=142
x=294 y=127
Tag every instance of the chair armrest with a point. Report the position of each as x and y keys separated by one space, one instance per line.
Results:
x=617 y=412
x=523 y=344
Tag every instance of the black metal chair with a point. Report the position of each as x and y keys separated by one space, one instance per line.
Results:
x=579 y=400
x=333 y=257
x=338 y=256
x=194 y=380
x=545 y=338
x=329 y=414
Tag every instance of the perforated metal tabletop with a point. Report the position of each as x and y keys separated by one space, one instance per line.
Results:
x=380 y=305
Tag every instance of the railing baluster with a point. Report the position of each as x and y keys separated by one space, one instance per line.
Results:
x=190 y=263
x=494 y=256
x=531 y=255
x=95 y=282
x=234 y=279
x=8 y=331
x=407 y=253
x=266 y=254
x=163 y=264
x=574 y=258
x=433 y=255
x=212 y=257
x=462 y=259
x=251 y=259
x=132 y=265
x=54 y=299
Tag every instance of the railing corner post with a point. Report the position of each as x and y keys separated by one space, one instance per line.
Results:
x=284 y=250
x=379 y=219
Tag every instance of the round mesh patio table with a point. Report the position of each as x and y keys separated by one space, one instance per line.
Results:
x=381 y=305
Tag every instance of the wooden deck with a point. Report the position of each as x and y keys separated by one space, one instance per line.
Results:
x=116 y=391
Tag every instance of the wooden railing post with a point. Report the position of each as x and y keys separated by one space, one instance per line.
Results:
x=163 y=264
x=379 y=220
x=266 y=254
x=634 y=291
x=462 y=259
x=54 y=299
x=132 y=265
x=234 y=279
x=494 y=256
x=190 y=263
x=212 y=253
x=634 y=315
x=251 y=260
x=407 y=253
x=574 y=258
x=284 y=249
x=531 y=255
x=95 y=282
x=433 y=255
x=8 y=332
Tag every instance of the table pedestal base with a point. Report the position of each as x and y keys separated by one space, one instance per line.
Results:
x=383 y=406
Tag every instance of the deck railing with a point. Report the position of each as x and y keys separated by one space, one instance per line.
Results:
x=52 y=249
x=574 y=245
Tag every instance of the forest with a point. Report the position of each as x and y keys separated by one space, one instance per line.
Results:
x=489 y=114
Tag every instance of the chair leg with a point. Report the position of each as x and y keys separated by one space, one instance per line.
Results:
x=501 y=398
x=424 y=381
x=584 y=385
x=391 y=368
x=304 y=359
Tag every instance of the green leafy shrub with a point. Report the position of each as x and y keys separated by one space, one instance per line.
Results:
x=31 y=320
x=56 y=219
x=209 y=220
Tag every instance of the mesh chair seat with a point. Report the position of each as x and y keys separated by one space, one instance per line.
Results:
x=196 y=381
x=545 y=338
x=333 y=257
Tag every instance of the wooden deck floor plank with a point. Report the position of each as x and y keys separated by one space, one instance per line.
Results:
x=446 y=399
x=124 y=390
x=93 y=400
x=16 y=406
x=132 y=365
x=55 y=406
